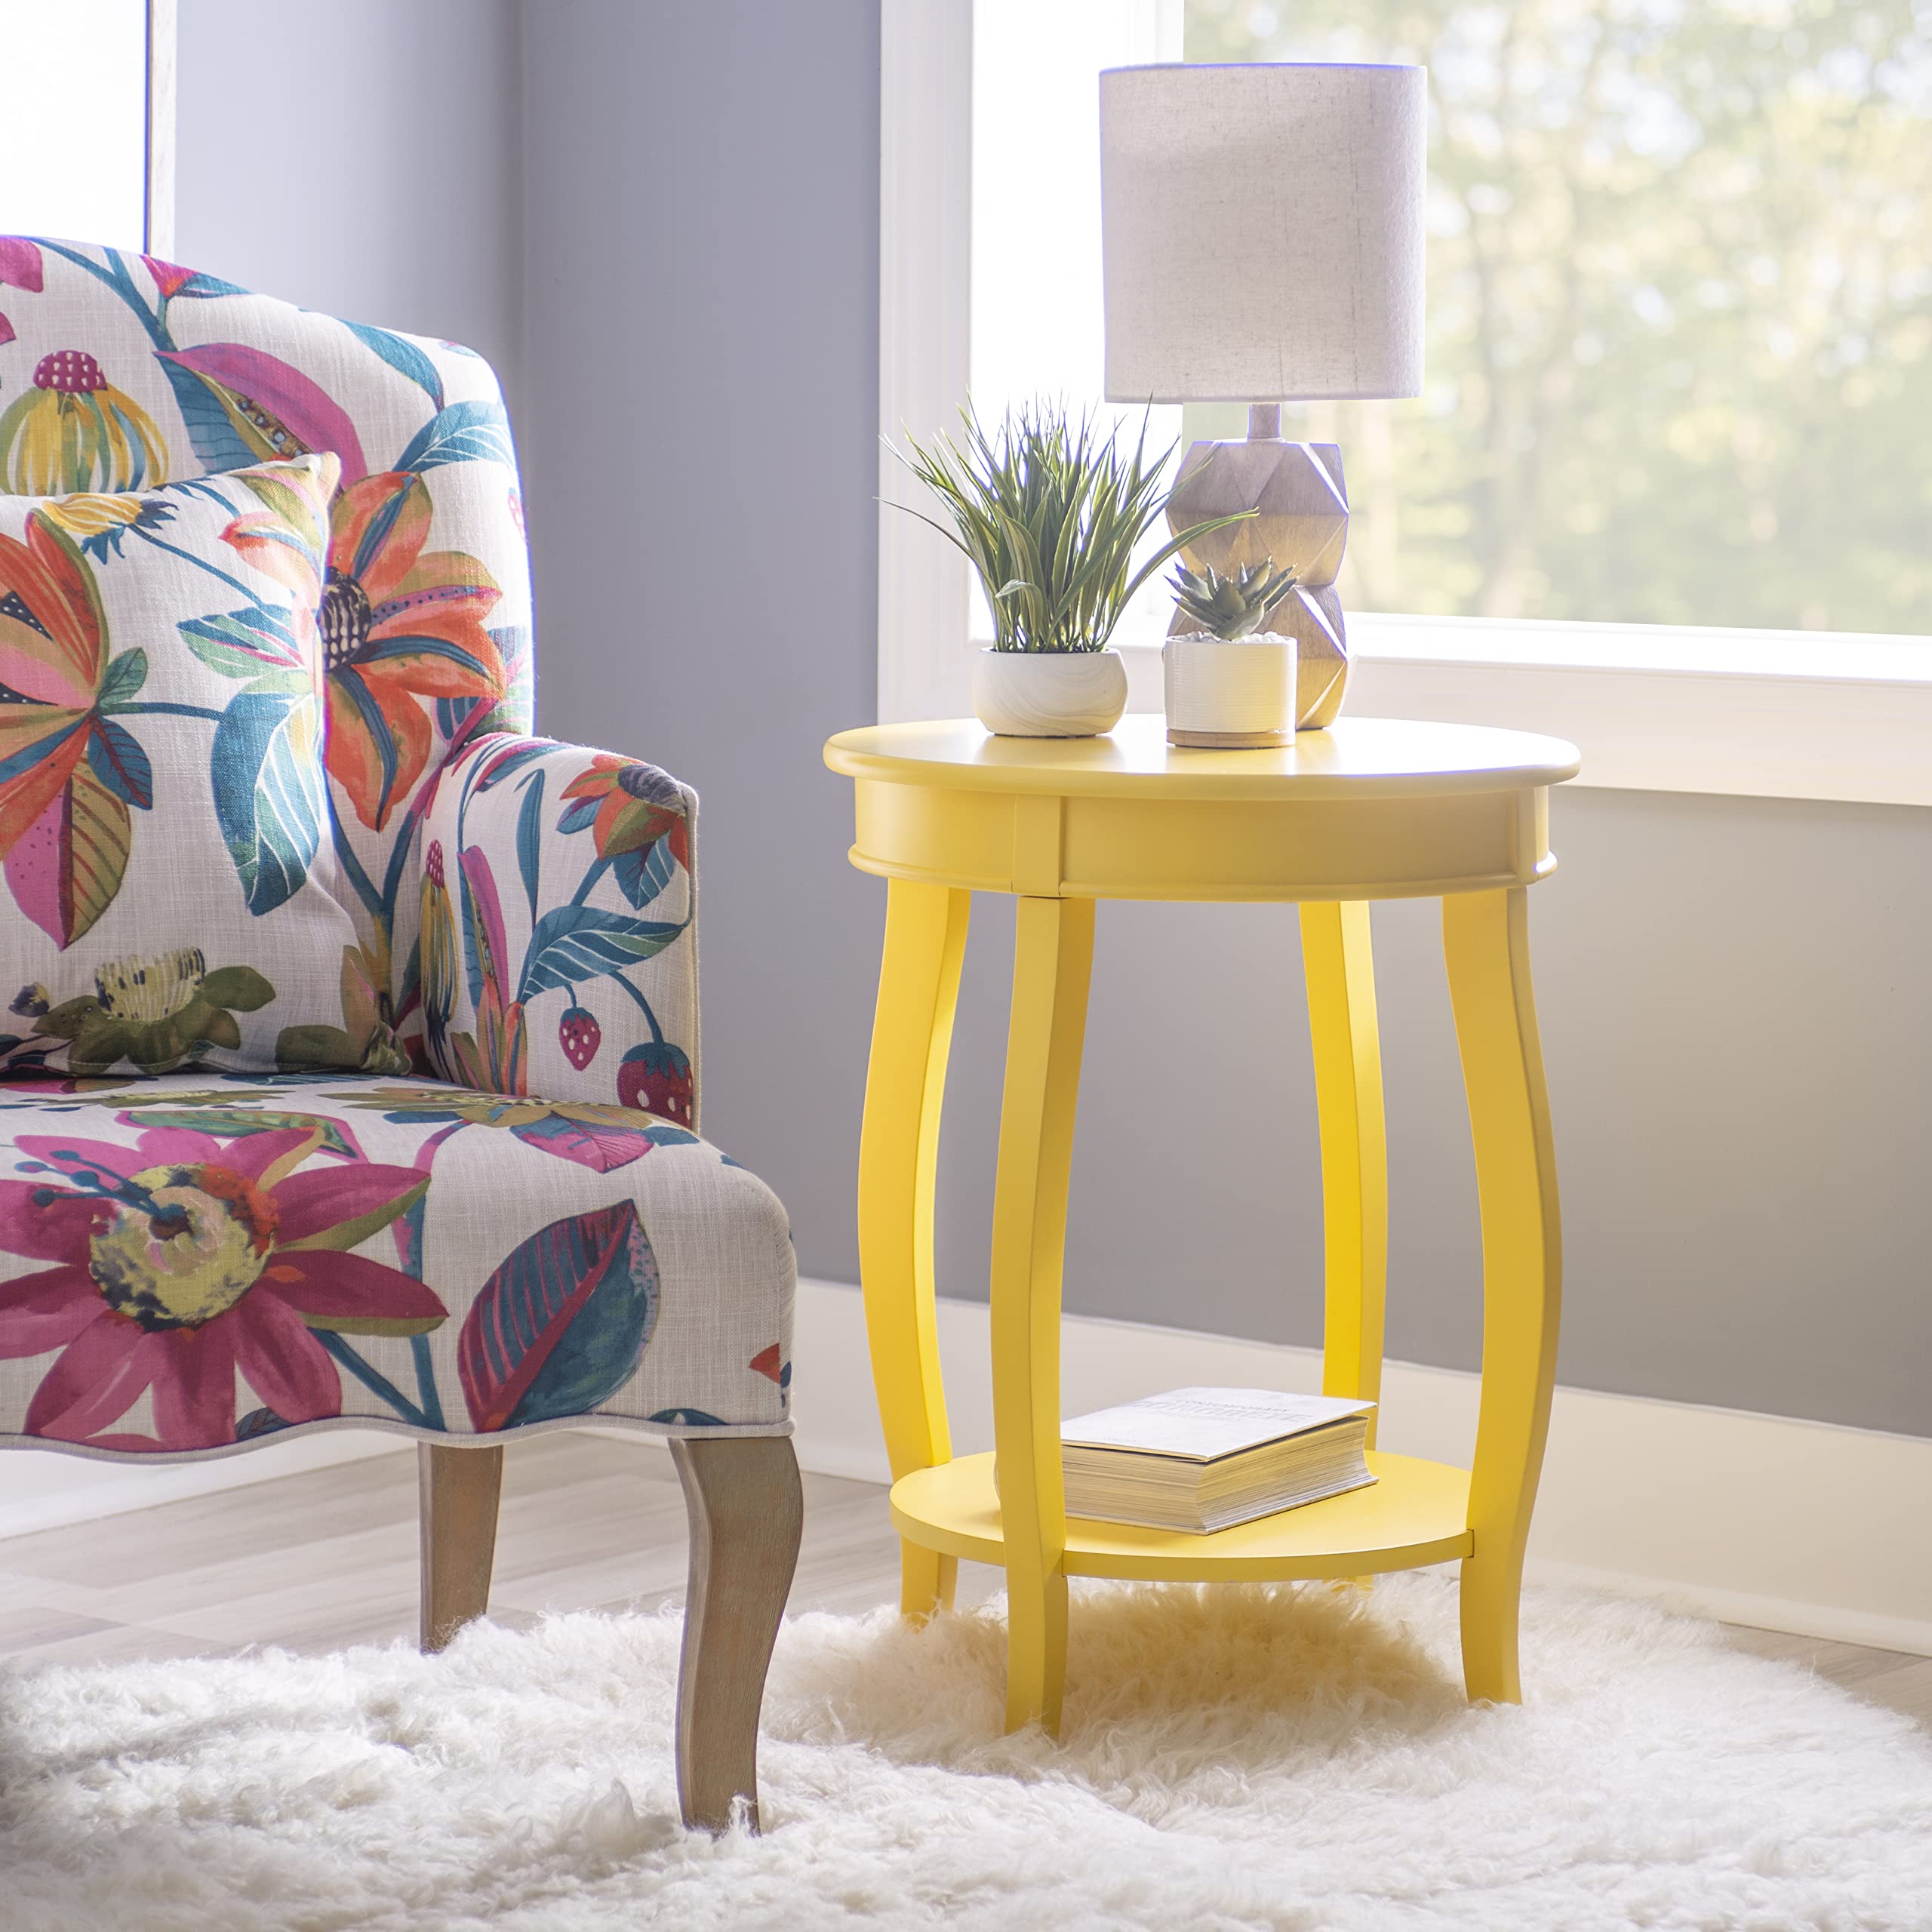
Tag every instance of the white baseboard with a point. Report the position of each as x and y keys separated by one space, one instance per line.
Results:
x=1765 y=1520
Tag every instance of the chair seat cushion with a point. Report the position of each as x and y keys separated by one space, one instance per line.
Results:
x=189 y=1263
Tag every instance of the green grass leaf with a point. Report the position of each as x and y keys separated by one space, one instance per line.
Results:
x=1048 y=513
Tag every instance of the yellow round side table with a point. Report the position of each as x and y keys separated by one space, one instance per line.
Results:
x=1368 y=809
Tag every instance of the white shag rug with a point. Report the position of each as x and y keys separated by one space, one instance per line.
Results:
x=1240 y=1757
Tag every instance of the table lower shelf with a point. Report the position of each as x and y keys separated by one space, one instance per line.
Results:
x=1415 y=1513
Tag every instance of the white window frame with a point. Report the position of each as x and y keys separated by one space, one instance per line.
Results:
x=1766 y=713
x=159 y=218
x=156 y=21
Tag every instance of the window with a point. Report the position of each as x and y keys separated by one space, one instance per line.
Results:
x=1679 y=294
x=1038 y=324
x=86 y=160
x=1667 y=493
x=1680 y=310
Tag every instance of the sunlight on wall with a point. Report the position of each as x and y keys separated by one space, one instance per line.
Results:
x=73 y=139
x=1037 y=329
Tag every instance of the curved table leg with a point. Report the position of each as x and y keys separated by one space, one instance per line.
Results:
x=1486 y=941
x=918 y=987
x=1053 y=957
x=1340 y=969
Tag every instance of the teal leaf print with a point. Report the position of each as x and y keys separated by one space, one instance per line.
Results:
x=561 y=1325
x=120 y=764
x=126 y=675
x=575 y=943
x=243 y=644
x=403 y=356
x=642 y=875
x=598 y=1145
x=200 y=288
x=211 y=429
x=464 y=433
x=579 y=814
x=530 y=838
x=266 y=769
x=501 y=766
x=243 y=405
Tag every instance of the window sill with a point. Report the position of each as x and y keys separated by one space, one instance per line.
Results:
x=1763 y=714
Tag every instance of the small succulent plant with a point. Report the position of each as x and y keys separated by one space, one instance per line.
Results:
x=1232 y=607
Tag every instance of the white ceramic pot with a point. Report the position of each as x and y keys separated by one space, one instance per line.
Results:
x=1049 y=694
x=1229 y=696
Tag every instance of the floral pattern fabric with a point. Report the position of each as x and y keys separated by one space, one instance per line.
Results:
x=172 y=896
x=187 y=1264
x=119 y=372
x=502 y=1217
x=552 y=875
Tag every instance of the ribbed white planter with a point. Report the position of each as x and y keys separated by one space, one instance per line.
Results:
x=1049 y=694
x=1229 y=696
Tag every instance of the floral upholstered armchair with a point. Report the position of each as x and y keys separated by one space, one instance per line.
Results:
x=407 y=1136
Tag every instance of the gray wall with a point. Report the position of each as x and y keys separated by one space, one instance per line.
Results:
x=1732 y=990
x=1737 y=1037
x=362 y=157
x=700 y=461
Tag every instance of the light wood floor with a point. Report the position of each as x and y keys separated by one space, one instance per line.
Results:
x=312 y=1562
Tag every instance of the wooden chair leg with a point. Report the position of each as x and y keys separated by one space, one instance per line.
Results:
x=459 y=1490
x=746 y=1512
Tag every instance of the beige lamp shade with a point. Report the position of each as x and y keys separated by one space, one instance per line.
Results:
x=1263 y=232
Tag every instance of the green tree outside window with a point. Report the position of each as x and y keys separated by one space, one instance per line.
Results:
x=1680 y=311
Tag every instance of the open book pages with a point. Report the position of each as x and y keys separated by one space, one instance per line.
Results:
x=1200 y=1424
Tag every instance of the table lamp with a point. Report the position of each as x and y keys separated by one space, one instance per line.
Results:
x=1262 y=230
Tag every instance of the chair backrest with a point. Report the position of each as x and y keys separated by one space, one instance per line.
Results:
x=118 y=371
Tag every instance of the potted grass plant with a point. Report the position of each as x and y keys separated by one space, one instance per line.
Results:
x=1049 y=514
x=1230 y=682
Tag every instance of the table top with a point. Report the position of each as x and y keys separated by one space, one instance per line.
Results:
x=1355 y=758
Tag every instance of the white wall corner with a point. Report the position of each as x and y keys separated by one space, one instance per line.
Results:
x=157 y=198
x=925 y=263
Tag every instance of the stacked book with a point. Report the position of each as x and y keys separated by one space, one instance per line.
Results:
x=1207 y=1458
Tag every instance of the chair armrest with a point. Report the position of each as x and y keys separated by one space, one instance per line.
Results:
x=559 y=946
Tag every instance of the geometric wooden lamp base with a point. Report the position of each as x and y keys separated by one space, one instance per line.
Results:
x=1301 y=523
